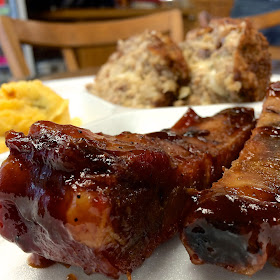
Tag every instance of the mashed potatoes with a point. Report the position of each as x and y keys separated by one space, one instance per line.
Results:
x=25 y=102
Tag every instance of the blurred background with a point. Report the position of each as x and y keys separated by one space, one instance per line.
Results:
x=49 y=60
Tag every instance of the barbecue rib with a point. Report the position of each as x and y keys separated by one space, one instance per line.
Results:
x=104 y=203
x=236 y=224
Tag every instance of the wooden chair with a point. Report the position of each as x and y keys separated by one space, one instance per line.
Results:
x=71 y=36
x=267 y=20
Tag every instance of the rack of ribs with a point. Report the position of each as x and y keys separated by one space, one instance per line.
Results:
x=236 y=223
x=102 y=202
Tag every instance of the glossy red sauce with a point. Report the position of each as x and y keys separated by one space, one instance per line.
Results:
x=57 y=175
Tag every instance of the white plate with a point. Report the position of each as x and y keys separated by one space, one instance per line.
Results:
x=83 y=104
x=90 y=108
x=149 y=120
x=170 y=260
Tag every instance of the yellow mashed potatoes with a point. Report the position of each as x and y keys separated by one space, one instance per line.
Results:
x=25 y=102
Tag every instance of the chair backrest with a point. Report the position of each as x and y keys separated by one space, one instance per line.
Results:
x=71 y=36
x=267 y=20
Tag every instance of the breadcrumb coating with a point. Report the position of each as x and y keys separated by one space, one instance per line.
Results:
x=145 y=71
x=228 y=60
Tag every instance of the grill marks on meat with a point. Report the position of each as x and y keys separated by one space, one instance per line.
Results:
x=102 y=202
x=236 y=224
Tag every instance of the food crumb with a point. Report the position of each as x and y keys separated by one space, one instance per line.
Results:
x=128 y=275
x=37 y=261
x=71 y=277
